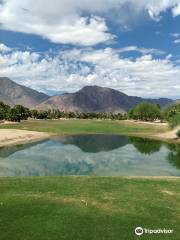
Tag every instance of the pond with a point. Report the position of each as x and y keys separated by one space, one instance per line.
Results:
x=99 y=155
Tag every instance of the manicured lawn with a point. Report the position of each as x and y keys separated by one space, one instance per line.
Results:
x=89 y=127
x=87 y=208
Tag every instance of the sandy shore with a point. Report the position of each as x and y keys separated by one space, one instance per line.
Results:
x=169 y=135
x=158 y=123
x=13 y=136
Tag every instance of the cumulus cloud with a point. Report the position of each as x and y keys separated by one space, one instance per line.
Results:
x=84 y=31
x=56 y=22
x=4 y=48
x=78 y=22
x=70 y=70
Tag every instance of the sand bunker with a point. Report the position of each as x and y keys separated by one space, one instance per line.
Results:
x=13 y=136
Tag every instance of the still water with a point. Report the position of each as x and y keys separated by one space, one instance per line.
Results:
x=100 y=155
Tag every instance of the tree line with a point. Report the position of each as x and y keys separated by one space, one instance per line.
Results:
x=19 y=112
x=144 y=112
x=150 y=112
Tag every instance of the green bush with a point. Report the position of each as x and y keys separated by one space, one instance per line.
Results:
x=145 y=112
x=178 y=134
x=175 y=120
x=4 y=110
x=171 y=111
x=172 y=115
x=18 y=113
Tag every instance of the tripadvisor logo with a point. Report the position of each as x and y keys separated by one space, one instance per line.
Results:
x=140 y=231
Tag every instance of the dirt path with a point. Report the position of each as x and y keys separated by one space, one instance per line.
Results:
x=13 y=136
x=171 y=135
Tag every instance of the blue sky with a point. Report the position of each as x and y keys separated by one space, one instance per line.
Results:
x=131 y=46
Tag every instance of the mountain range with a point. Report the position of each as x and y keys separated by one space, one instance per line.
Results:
x=12 y=94
x=88 y=99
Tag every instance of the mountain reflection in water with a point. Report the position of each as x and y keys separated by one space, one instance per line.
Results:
x=96 y=143
x=102 y=155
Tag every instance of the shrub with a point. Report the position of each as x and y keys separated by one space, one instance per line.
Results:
x=171 y=111
x=4 y=110
x=146 y=112
x=175 y=120
x=178 y=134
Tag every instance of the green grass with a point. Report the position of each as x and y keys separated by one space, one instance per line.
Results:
x=87 y=208
x=89 y=127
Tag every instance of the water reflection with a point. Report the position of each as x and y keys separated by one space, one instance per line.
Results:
x=102 y=155
x=174 y=155
x=9 y=150
x=96 y=143
x=145 y=146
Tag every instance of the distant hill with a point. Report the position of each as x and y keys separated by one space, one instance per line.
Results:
x=97 y=99
x=12 y=93
x=88 y=99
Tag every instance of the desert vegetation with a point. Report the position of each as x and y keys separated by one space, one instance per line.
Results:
x=143 y=112
x=151 y=112
x=19 y=112
x=15 y=114
x=146 y=112
x=172 y=115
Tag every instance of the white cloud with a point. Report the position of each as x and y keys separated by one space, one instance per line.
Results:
x=169 y=56
x=176 y=10
x=175 y=35
x=70 y=70
x=141 y=50
x=4 y=48
x=176 y=41
x=85 y=32
x=78 y=22
x=55 y=22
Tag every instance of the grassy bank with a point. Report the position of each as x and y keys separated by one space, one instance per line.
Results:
x=75 y=208
x=90 y=127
